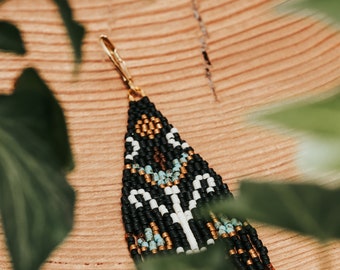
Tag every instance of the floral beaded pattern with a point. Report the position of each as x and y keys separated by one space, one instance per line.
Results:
x=165 y=183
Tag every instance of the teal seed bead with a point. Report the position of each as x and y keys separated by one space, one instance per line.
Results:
x=135 y=166
x=236 y=222
x=162 y=175
x=145 y=244
x=152 y=245
x=217 y=225
x=168 y=173
x=155 y=177
x=176 y=168
x=148 y=169
x=148 y=234
x=140 y=241
x=222 y=230
x=230 y=228
x=175 y=176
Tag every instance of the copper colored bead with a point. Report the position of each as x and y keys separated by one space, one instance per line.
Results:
x=240 y=251
x=184 y=164
x=128 y=166
x=224 y=235
x=151 y=126
x=232 y=234
x=156 y=131
x=146 y=121
x=169 y=184
x=157 y=120
x=161 y=248
x=132 y=247
x=153 y=183
x=189 y=158
x=165 y=234
x=144 y=116
x=191 y=152
x=168 y=247
x=142 y=134
x=183 y=170
x=152 y=224
x=232 y=252
x=159 y=125
x=152 y=118
x=149 y=132
x=138 y=131
x=139 y=122
x=147 y=178
x=133 y=170
x=141 y=172
x=144 y=248
x=144 y=127
x=249 y=262
x=176 y=182
x=253 y=253
x=238 y=228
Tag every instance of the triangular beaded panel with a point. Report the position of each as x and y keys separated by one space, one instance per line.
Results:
x=164 y=184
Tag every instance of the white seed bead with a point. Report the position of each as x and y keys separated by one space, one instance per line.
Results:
x=134 y=192
x=188 y=215
x=129 y=157
x=177 y=207
x=175 y=189
x=162 y=209
x=192 y=204
x=147 y=196
x=210 y=241
x=210 y=189
x=206 y=176
x=185 y=145
x=129 y=139
x=175 y=199
x=168 y=190
x=138 y=204
x=141 y=191
x=197 y=184
x=174 y=130
x=199 y=177
x=189 y=252
x=132 y=199
x=179 y=250
x=174 y=217
x=169 y=136
x=196 y=195
x=153 y=204
x=203 y=249
x=176 y=143
x=211 y=182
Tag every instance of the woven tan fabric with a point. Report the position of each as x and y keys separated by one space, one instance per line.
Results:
x=258 y=57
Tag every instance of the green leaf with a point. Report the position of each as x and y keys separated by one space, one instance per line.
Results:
x=328 y=7
x=305 y=208
x=319 y=118
x=214 y=258
x=75 y=30
x=320 y=121
x=10 y=38
x=36 y=202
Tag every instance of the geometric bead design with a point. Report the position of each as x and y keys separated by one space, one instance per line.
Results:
x=165 y=184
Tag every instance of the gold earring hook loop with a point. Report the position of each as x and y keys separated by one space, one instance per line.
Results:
x=135 y=93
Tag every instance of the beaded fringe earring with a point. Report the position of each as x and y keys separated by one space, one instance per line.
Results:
x=165 y=183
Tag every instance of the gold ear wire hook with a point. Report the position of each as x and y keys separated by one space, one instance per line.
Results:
x=135 y=93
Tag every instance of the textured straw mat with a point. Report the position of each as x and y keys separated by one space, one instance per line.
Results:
x=258 y=57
